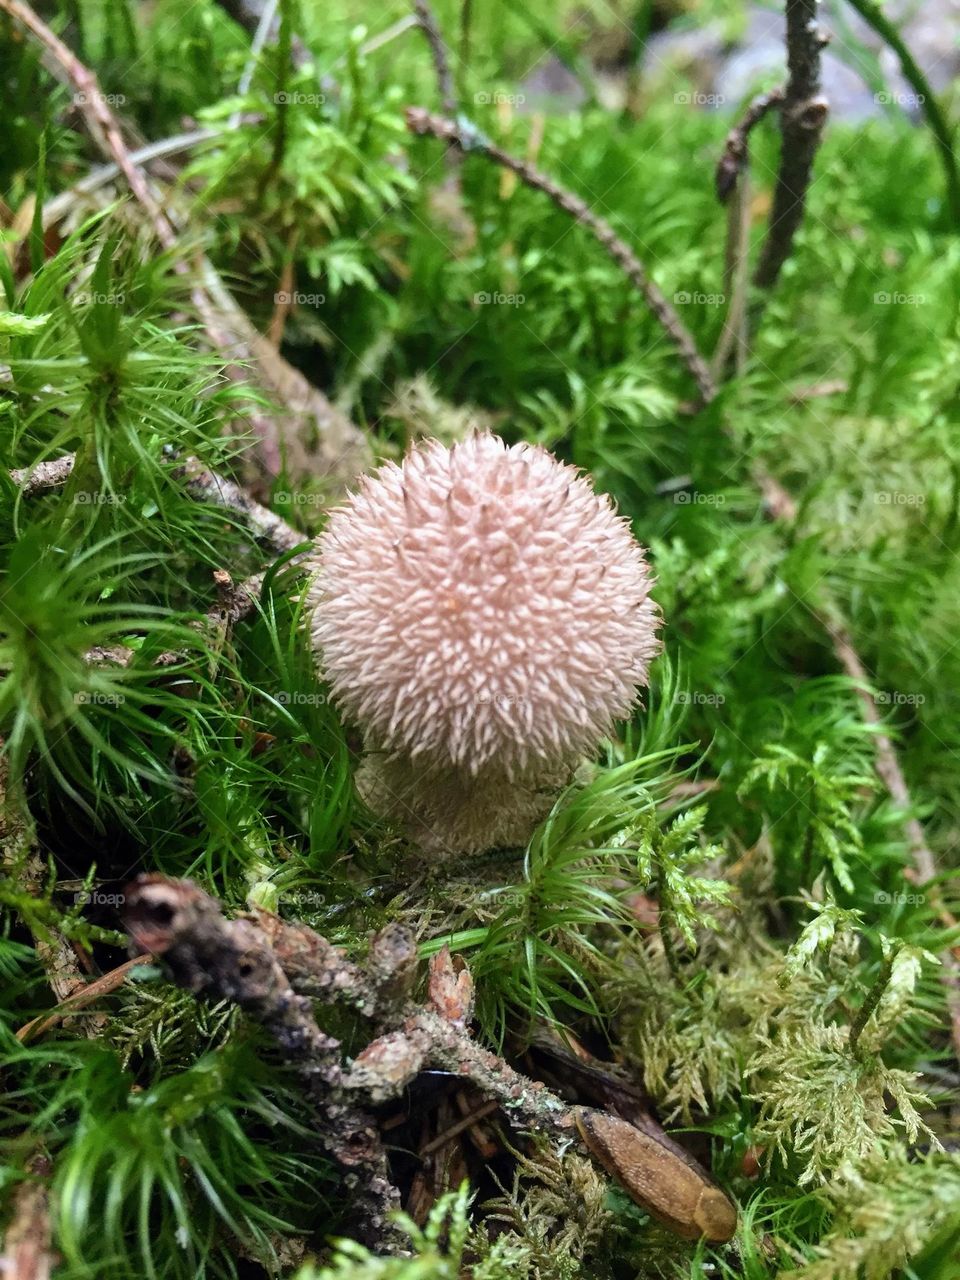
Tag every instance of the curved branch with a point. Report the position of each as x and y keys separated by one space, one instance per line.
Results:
x=465 y=137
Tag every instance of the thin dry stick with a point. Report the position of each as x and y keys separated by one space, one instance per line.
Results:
x=79 y=998
x=735 y=278
x=427 y=20
x=201 y=483
x=236 y=601
x=736 y=148
x=92 y=102
x=782 y=507
x=733 y=188
x=232 y=960
x=468 y=1121
x=888 y=766
x=422 y=122
x=802 y=116
x=343 y=452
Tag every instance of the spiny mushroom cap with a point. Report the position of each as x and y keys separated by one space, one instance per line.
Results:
x=482 y=604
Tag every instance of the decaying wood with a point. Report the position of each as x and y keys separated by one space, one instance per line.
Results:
x=233 y=960
x=27 y=1246
x=270 y=967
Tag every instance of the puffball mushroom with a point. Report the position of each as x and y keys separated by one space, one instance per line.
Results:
x=484 y=616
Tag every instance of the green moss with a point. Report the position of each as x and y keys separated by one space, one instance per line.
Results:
x=742 y=797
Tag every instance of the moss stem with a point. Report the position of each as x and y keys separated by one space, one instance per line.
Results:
x=870 y=1003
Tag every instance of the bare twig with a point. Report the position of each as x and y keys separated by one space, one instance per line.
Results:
x=200 y=482
x=209 y=486
x=93 y=104
x=461 y=135
x=427 y=20
x=736 y=148
x=233 y=960
x=268 y=967
x=736 y=279
x=888 y=766
x=340 y=450
x=733 y=189
x=236 y=601
x=458 y=1127
x=803 y=114
x=79 y=998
